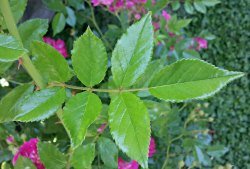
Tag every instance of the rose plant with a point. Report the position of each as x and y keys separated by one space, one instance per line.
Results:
x=114 y=92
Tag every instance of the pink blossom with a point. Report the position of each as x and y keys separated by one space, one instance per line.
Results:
x=127 y=165
x=29 y=150
x=101 y=128
x=152 y=147
x=107 y=2
x=137 y=16
x=59 y=45
x=10 y=139
x=96 y=2
x=166 y=15
x=202 y=43
x=156 y=26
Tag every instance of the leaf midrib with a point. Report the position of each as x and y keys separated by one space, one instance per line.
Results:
x=233 y=76
x=132 y=123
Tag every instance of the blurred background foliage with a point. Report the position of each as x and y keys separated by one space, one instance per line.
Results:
x=229 y=21
x=207 y=134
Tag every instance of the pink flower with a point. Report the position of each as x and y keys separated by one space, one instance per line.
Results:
x=127 y=165
x=156 y=26
x=107 y=2
x=202 y=43
x=59 y=45
x=96 y=2
x=152 y=147
x=101 y=128
x=166 y=15
x=10 y=139
x=29 y=150
x=137 y=16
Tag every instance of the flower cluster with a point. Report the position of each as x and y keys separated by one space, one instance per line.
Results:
x=133 y=164
x=29 y=150
x=135 y=7
x=59 y=45
x=202 y=43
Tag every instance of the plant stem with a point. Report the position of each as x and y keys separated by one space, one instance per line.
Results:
x=96 y=90
x=96 y=25
x=11 y=25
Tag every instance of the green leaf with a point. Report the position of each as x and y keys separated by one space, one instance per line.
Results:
x=10 y=103
x=4 y=66
x=10 y=48
x=24 y=163
x=77 y=4
x=190 y=79
x=71 y=19
x=132 y=53
x=210 y=3
x=89 y=59
x=83 y=156
x=108 y=152
x=58 y=23
x=18 y=8
x=130 y=126
x=31 y=30
x=175 y=25
x=216 y=151
x=175 y=5
x=200 y=7
x=51 y=157
x=40 y=105
x=50 y=63
x=55 y=5
x=188 y=7
x=144 y=80
x=79 y=113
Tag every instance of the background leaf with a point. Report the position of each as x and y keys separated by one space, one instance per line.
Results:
x=10 y=48
x=40 y=105
x=24 y=163
x=190 y=79
x=89 y=59
x=130 y=126
x=58 y=23
x=4 y=66
x=108 y=152
x=50 y=63
x=51 y=157
x=10 y=102
x=83 y=156
x=31 y=30
x=132 y=53
x=200 y=7
x=79 y=113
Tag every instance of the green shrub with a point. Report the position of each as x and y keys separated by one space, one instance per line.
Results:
x=229 y=21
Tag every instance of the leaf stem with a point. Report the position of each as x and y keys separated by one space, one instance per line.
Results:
x=58 y=84
x=11 y=25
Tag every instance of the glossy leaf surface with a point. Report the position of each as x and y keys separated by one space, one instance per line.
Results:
x=31 y=30
x=83 y=156
x=10 y=103
x=50 y=63
x=132 y=53
x=130 y=126
x=89 y=59
x=10 y=48
x=190 y=79
x=40 y=105
x=79 y=113
x=51 y=157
